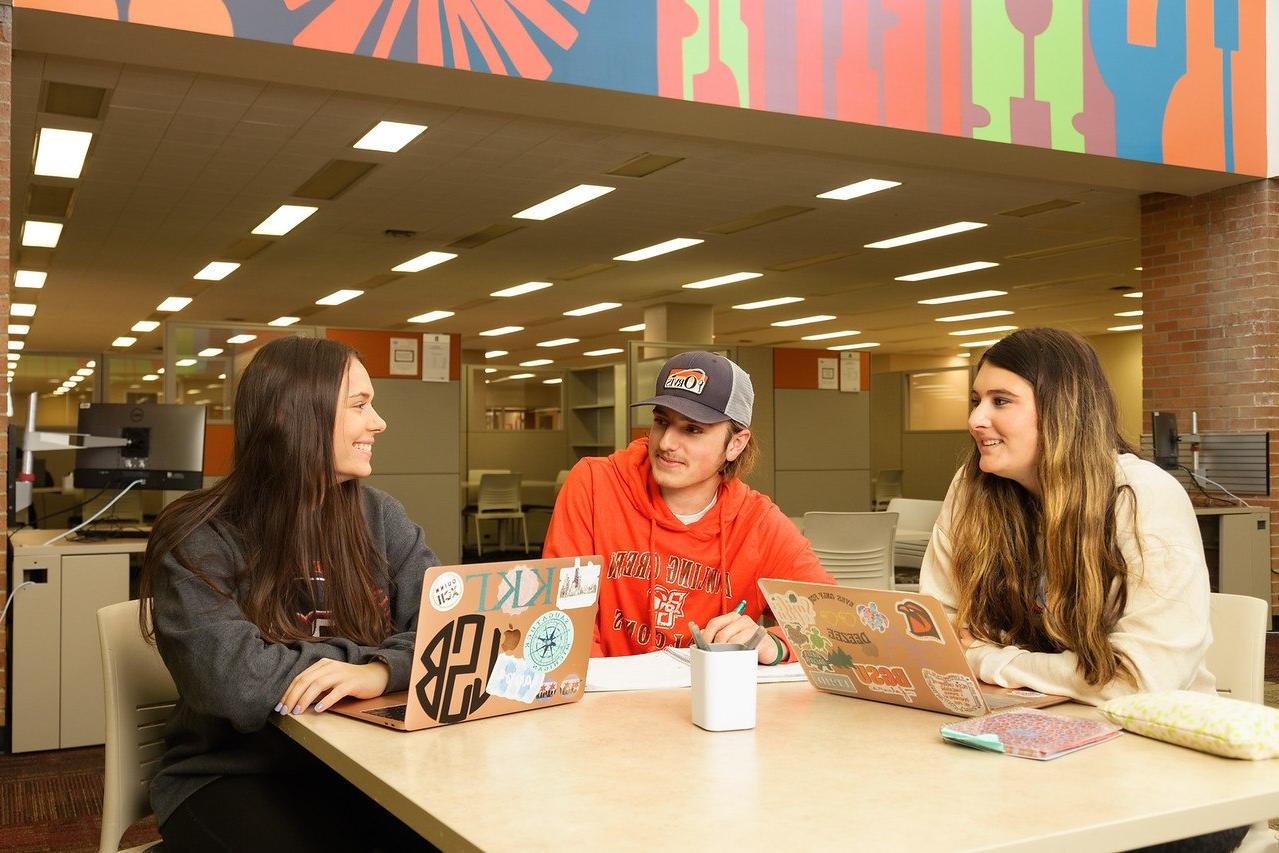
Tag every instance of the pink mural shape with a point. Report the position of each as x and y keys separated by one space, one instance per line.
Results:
x=1031 y=119
x=1097 y=122
x=676 y=21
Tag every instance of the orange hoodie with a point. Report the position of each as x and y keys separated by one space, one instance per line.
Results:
x=659 y=574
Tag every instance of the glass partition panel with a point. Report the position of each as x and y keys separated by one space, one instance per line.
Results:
x=62 y=381
x=206 y=360
x=937 y=400
x=514 y=398
x=130 y=379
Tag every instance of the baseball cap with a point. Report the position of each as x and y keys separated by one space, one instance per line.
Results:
x=704 y=387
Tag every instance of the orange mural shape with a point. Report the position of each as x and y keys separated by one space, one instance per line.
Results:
x=1248 y=86
x=197 y=16
x=1194 y=115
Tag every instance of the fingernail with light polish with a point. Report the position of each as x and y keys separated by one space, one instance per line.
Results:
x=318 y=707
x=297 y=710
x=279 y=706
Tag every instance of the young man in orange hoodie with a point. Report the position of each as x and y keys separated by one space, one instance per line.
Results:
x=683 y=539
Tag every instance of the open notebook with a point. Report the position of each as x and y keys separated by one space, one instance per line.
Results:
x=665 y=669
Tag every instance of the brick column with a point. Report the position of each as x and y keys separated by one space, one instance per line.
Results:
x=6 y=110
x=1211 y=339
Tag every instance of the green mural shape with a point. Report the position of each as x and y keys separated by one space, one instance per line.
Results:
x=1059 y=72
x=996 y=68
x=734 y=46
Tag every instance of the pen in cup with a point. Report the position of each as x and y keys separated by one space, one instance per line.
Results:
x=697 y=637
x=741 y=606
x=760 y=633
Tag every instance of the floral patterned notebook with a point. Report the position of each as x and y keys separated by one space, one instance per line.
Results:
x=1029 y=733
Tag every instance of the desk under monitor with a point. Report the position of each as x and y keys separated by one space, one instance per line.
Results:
x=629 y=771
x=55 y=665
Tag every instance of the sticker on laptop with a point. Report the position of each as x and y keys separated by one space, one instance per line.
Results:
x=919 y=622
x=839 y=658
x=579 y=585
x=833 y=681
x=549 y=640
x=886 y=679
x=570 y=685
x=815 y=660
x=872 y=618
x=514 y=678
x=523 y=584
x=790 y=606
x=547 y=691
x=956 y=691
x=446 y=591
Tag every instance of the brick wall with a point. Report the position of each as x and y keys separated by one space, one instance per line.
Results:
x=1211 y=338
x=6 y=63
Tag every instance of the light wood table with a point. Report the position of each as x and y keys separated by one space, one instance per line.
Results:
x=629 y=771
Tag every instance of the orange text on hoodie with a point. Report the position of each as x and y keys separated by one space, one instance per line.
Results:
x=659 y=574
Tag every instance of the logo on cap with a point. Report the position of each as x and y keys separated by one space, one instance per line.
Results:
x=691 y=379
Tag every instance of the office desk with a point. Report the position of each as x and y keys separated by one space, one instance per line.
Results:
x=628 y=771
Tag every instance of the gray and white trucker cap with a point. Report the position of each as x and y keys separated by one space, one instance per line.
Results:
x=704 y=387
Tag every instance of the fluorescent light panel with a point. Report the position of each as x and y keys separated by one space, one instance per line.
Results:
x=731 y=278
x=980 y=315
x=389 y=136
x=174 y=303
x=61 y=153
x=608 y=351
x=593 y=309
x=636 y=327
x=151 y=377
x=988 y=343
x=567 y=200
x=1129 y=313
x=16 y=345
x=145 y=326
x=184 y=362
x=963 y=297
x=33 y=279
x=861 y=188
x=555 y=381
x=521 y=289
x=927 y=234
x=85 y=371
x=124 y=341
x=430 y=316
x=865 y=345
x=423 y=262
x=536 y=362
x=285 y=219
x=989 y=330
x=769 y=303
x=1136 y=294
x=559 y=342
x=216 y=270
x=283 y=321
x=501 y=330
x=825 y=336
x=22 y=309
x=659 y=249
x=18 y=329
x=241 y=339
x=337 y=297
x=41 y=235
x=944 y=271
x=1134 y=328
x=209 y=352
x=520 y=376
x=495 y=353
x=804 y=321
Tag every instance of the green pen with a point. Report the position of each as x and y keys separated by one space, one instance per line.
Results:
x=741 y=605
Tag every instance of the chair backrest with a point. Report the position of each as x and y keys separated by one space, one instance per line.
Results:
x=1237 y=656
x=474 y=475
x=499 y=492
x=888 y=485
x=140 y=695
x=854 y=547
x=915 y=514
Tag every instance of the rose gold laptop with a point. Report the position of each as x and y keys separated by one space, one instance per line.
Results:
x=888 y=646
x=492 y=639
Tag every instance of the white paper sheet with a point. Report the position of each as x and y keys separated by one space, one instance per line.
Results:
x=664 y=670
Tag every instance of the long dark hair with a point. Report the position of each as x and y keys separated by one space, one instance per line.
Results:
x=1005 y=539
x=283 y=502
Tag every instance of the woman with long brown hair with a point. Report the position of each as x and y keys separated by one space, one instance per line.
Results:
x=1068 y=565
x=281 y=589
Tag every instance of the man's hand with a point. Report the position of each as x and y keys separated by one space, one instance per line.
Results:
x=335 y=680
x=739 y=628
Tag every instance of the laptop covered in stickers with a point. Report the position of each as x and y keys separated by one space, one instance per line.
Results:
x=887 y=646
x=494 y=638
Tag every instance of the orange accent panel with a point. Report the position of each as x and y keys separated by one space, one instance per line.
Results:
x=89 y=8
x=797 y=368
x=638 y=432
x=374 y=346
x=1141 y=22
x=219 y=442
x=1249 y=90
x=197 y=16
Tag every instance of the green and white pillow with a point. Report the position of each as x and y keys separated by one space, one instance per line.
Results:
x=1201 y=721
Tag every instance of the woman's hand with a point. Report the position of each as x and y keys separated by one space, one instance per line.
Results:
x=966 y=639
x=335 y=680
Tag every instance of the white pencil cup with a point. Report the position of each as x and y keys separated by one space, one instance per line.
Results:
x=724 y=687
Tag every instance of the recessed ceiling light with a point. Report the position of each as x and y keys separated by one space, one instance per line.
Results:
x=145 y=326
x=769 y=303
x=422 y=262
x=986 y=331
x=220 y=376
x=241 y=339
x=636 y=327
x=23 y=309
x=659 y=249
x=495 y=353
x=593 y=309
x=124 y=341
x=90 y=364
x=555 y=381
x=209 y=352
x=184 y=362
x=174 y=303
x=284 y=321
x=75 y=380
x=151 y=377
x=980 y=315
x=389 y=136
x=33 y=279
x=861 y=188
x=1136 y=313
x=85 y=371
x=41 y=235
x=490 y=370
x=13 y=356
x=521 y=289
x=337 y=297
x=430 y=316
x=1134 y=328
x=928 y=234
x=558 y=342
x=824 y=336
x=608 y=351
x=501 y=330
x=285 y=219
x=963 y=297
x=566 y=200
x=16 y=345
x=158 y=370
x=520 y=376
x=731 y=278
x=965 y=355
x=865 y=345
x=1136 y=294
x=988 y=343
x=1136 y=269
x=18 y=329
x=804 y=321
x=61 y=153
x=943 y=271
x=216 y=270
x=537 y=362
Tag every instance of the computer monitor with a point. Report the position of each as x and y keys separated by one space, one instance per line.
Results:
x=165 y=449
x=1163 y=432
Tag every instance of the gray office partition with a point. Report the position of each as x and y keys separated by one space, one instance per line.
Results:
x=822 y=448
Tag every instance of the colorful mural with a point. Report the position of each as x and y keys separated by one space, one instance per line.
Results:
x=1167 y=81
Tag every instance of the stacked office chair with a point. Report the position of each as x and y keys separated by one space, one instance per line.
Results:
x=888 y=485
x=915 y=520
x=140 y=696
x=856 y=548
x=499 y=500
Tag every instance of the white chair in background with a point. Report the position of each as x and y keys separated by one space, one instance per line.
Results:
x=856 y=548
x=140 y=695
x=888 y=485
x=915 y=520
x=499 y=499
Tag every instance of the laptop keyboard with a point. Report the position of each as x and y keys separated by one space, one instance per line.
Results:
x=392 y=712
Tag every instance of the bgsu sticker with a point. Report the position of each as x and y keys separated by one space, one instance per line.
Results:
x=691 y=379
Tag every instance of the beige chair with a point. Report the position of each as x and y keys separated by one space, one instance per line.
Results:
x=140 y=695
x=499 y=499
x=856 y=548
x=915 y=520
x=888 y=485
x=472 y=484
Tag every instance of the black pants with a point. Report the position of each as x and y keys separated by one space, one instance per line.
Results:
x=1222 y=841
x=316 y=810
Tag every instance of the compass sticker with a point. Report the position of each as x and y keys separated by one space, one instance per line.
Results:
x=548 y=641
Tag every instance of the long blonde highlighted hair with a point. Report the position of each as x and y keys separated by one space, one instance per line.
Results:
x=1007 y=541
